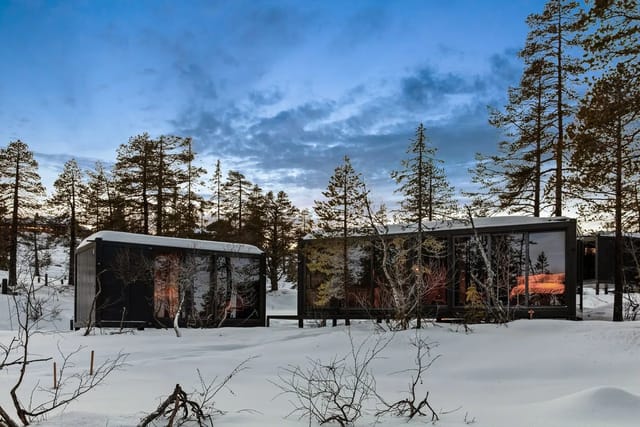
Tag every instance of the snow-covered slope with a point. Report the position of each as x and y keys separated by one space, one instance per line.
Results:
x=529 y=373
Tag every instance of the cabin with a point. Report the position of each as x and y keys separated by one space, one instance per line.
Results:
x=134 y=280
x=533 y=264
x=599 y=260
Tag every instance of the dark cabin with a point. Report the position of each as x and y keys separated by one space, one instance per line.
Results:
x=533 y=260
x=599 y=260
x=134 y=280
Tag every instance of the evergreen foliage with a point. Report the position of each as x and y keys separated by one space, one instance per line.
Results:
x=66 y=202
x=517 y=178
x=424 y=185
x=133 y=173
x=101 y=203
x=279 y=234
x=21 y=192
x=514 y=179
x=611 y=32
x=216 y=195
x=235 y=193
x=342 y=213
x=607 y=148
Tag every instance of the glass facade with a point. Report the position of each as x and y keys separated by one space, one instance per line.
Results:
x=516 y=268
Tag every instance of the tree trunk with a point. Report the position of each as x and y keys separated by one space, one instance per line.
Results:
x=618 y=277
x=560 y=143
x=72 y=238
x=13 y=239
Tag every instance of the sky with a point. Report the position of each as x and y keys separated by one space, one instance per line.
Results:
x=278 y=90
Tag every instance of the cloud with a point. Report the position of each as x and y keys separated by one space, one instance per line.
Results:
x=505 y=67
x=360 y=27
x=288 y=144
x=199 y=79
x=426 y=87
x=266 y=97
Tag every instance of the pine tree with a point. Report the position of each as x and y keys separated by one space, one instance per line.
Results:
x=184 y=177
x=515 y=178
x=21 y=187
x=607 y=148
x=254 y=229
x=542 y=264
x=100 y=201
x=216 y=195
x=427 y=196
x=427 y=193
x=65 y=201
x=551 y=33
x=235 y=193
x=279 y=234
x=194 y=203
x=341 y=214
x=134 y=174
x=171 y=154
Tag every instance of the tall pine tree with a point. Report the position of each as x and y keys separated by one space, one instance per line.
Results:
x=551 y=34
x=279 y=234
x=21 y=188
x=235 y=193
x=427 y=196
x=101 y=202
x=514 y=179
x=607 y=149
x=341 y=214
x=65 y=201
x=134 y=173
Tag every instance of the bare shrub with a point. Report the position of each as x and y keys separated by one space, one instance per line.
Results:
x=181 y=408
x=30 y=310
x=336 y=390
x=413 y=267
x=416 y=401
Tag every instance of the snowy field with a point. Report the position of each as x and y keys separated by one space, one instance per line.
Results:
x=529 y=373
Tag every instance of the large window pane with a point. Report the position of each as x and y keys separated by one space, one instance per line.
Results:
x=166 y=272
x=546 y=279
x=324 y=286
x=508 y=260
x=471 y=274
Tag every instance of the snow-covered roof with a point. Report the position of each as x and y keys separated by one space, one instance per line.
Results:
x=173 y=242
x=487 y=222
x=464 y=224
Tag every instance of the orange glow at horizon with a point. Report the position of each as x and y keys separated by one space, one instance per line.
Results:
x=550 y=284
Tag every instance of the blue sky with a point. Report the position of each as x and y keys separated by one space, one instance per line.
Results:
x=279 y=90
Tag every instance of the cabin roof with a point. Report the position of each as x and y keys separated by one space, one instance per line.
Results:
x=173 y=242
x=464 y=224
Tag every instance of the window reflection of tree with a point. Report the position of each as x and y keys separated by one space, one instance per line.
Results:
x=359 y=286
x=166 y=270
x=245 y=278
x=470 y=269
x=508 y=263
x=195 y=277
x=324 y=268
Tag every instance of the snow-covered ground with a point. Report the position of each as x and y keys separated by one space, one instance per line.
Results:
x=529 y=373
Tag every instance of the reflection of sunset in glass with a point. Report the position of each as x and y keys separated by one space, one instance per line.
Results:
x=550 y=284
